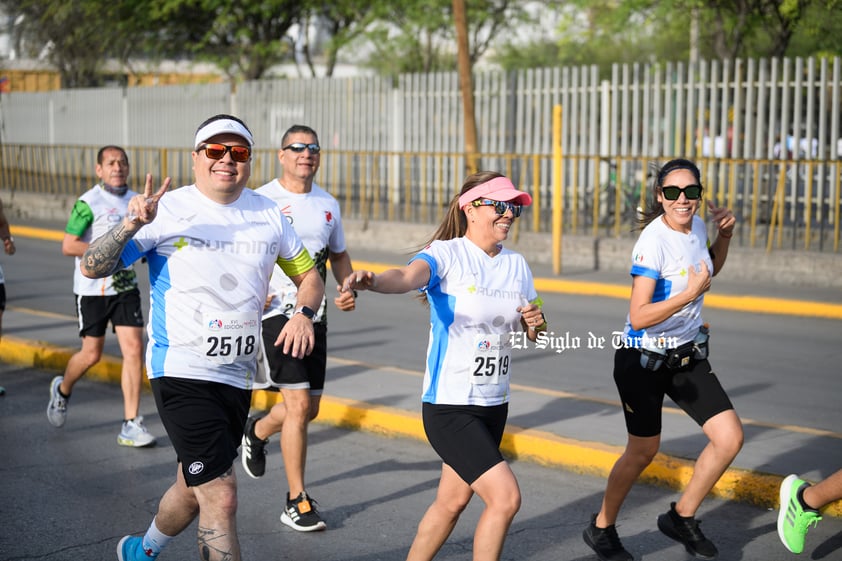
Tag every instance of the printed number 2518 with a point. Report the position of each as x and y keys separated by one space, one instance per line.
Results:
x=223 y=346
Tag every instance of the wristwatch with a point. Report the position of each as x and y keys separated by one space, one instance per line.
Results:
x=308 y=312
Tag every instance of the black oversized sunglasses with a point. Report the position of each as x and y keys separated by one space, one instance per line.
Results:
x=692 y=192
x=500 y=207
x=300 y=146
x=240 y=154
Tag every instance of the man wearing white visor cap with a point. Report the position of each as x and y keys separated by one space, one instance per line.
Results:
x=211 y=248
x=222 y=126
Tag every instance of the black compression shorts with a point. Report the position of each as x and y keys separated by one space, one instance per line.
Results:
x=466 y=437
x=695 y=389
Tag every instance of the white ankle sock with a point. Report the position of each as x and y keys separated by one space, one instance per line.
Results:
x=154 y=539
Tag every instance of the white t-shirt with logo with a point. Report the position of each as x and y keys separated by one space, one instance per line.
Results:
x=108 y=209
x=666 y=255
x=473 y=312
x=316 y=219
x=209 y=268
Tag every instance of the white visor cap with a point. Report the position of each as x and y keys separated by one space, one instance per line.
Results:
x=222 y=126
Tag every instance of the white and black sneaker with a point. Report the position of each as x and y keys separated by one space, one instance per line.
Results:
x=57 y=407
x=254 y=450
x=301 y=514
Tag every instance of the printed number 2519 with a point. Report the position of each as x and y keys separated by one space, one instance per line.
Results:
x=491 y=365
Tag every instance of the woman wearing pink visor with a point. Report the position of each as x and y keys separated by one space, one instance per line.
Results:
x=480 y=296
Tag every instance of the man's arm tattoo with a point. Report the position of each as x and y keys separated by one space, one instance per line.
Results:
x=103 y=254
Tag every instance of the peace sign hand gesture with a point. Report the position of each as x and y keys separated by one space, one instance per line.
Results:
x=143 y=208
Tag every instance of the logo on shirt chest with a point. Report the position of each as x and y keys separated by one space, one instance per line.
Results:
x=287 y=212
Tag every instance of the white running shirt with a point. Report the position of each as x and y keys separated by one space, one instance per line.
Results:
x=316 y=219
x=104 y=211
x=473 y=311
x=665 y=255
x=209 y=268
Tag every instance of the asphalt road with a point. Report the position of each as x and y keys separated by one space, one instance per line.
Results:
x=71 y=493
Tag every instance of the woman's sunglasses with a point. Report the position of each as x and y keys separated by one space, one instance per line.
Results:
x=691 y=192
x=217 y=152
x=500 y=207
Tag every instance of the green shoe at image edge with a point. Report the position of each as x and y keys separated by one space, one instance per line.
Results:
x=793 y=519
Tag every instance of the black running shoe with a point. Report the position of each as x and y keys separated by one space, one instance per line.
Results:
x=254 y=451
x=686 y=531
x=301 y=514
x=605 y=542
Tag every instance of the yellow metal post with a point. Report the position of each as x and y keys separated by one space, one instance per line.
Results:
x=558 y=200
x=776 y=203
x=836 y=200
x=755 y=203
x=808 y=205
x=536 y=193
x=597 y=190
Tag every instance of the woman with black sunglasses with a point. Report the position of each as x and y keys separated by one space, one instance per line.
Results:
x=480 y=294
x=665 y=353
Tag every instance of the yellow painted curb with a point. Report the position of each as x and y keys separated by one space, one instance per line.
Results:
x=584 y=457
x=38 y=233
x=50 y=357
x=760 y=305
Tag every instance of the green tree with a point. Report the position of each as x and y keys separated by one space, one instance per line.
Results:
x=419 y=36
x=77 y=36
x=604 y=32
x=243 y=39
x=343 y=21
x=819 y=33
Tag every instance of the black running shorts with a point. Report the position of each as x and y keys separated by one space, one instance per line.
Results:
x=204 y=421
x=94 y=312
x=466 y=437
x=295 y=373
x=695 y=389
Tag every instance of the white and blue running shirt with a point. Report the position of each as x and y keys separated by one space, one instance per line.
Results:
x=666 y=255
x=209 y=268
x=316 y=219
x=473 y=311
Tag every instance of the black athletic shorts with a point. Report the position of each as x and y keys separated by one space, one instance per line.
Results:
x=204 y=421
x=94 y=312
x=295 y=373
x=2 y=296
x=466 y=437
x=694 y=388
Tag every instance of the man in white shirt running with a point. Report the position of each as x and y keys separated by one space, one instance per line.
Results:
x=115 y=299
x=314 y=213
x=211 y=247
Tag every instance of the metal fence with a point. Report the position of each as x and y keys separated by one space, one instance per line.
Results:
x=767 y=134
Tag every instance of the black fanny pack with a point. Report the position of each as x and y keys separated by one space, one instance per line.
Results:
x=679 y=357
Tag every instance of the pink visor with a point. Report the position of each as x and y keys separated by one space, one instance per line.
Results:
x=497 y=189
